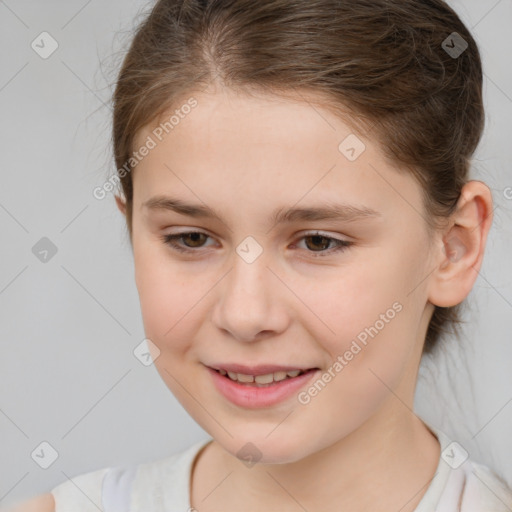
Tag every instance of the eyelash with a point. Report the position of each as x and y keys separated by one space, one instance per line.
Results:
x=170 y=240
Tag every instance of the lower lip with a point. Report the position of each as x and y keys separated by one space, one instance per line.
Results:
x=254 y=397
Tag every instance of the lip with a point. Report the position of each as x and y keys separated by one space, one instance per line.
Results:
x=252 y=397
x=262 y=369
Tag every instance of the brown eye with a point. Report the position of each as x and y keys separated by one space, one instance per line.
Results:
x=191 y=240
x=316 y=243
x=195 y=238
x=319 y=242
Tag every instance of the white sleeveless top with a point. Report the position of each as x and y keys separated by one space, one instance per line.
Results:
x=164 y=485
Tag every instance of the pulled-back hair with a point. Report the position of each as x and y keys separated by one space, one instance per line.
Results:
x=384 y=62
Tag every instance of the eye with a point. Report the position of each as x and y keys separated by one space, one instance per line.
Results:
x=318 y=240
x=195 y=236
x=194 y=240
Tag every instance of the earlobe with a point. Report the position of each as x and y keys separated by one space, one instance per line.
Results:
x=461 y=253
x=121 y=205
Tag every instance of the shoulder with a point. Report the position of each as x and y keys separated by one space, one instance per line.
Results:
x=485 y=487
x=165 y=481
x=42 y=503
x=137 y=487
x=133 y=487
x=466 y=487
x=82 y=492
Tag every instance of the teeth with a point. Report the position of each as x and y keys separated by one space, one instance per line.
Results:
x=245 y=378
x=261 y=379
x=264 y=379
x=279 y=376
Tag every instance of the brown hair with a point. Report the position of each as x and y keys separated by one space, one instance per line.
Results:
x=383 y=61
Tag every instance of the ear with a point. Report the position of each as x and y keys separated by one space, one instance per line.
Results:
x=461 y=252
x=121 y=205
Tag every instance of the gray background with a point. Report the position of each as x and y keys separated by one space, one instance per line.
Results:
x=69 y=326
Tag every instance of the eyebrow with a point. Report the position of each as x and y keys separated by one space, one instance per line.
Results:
x=343 y=212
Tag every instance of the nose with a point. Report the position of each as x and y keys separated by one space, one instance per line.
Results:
x=251 y=305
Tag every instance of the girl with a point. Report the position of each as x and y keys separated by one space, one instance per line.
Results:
x=295 y=185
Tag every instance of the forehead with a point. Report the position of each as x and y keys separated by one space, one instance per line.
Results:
x=249 y=118
x=271 y=147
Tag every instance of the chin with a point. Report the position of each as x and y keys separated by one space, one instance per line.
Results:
x=265 y=450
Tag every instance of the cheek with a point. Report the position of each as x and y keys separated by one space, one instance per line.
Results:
x=347 y=301
x=366 y=314
x=167 y=297
x=368 y=353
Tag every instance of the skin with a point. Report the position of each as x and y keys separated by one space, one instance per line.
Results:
x=357 y=445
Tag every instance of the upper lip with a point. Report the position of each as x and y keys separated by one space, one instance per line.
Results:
x=262 y=369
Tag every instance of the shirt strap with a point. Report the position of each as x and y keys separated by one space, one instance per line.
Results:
x=116 y=489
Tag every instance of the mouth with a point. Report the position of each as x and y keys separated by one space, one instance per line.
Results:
x=256 y=387
x=262 y=380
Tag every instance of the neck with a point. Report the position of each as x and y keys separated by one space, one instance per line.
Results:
x=359 y=472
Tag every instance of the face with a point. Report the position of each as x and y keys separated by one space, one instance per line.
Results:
x=342 y=298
